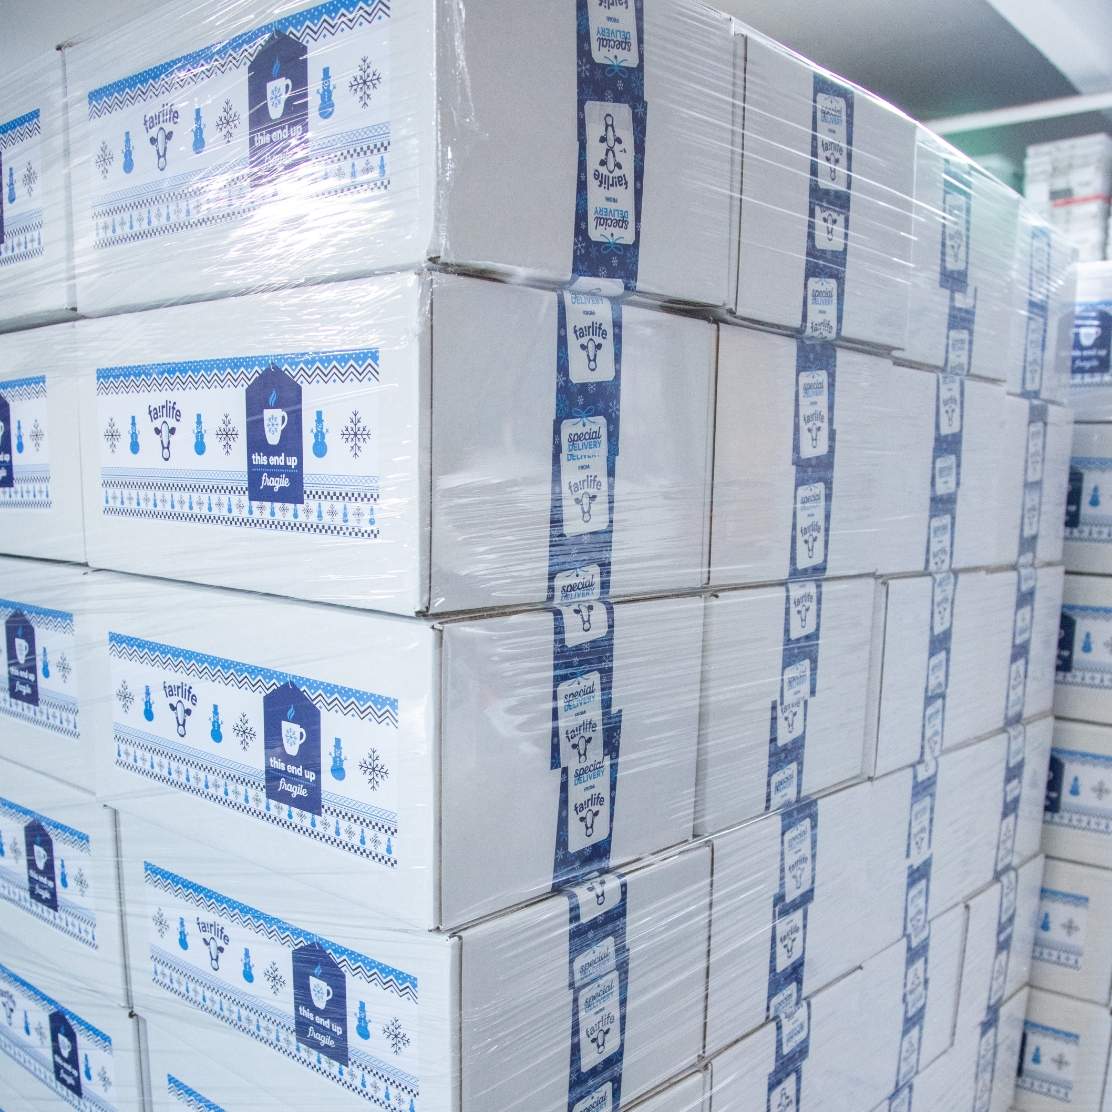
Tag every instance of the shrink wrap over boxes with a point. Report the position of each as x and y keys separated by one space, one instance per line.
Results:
x=440 y=443
x=47 y=649
x=345 y=137
x=36 y=245
x=483 y=1018
x=1082 y=688
x=451 y=769
x=1077 y=822
x=827 y=177
x=1091 y=361
x=41 y=510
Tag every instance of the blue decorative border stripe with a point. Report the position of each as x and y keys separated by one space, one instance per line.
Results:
x=374 y=972
x=60 y=620
x=343 y=700
x=98 y=1036
x=179 y=1090
x=68 y=834
x=7 y=384
x=14 y=125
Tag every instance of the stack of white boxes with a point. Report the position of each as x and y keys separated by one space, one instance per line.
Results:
x=445 y=757
x=1069 y=1028
x=1069 y=183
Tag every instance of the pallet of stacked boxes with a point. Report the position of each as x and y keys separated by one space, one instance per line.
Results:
x=36 y=245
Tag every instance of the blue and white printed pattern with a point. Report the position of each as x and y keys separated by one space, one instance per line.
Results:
x=217 y=752
x=1079 y=791
x=21 y=190
x=1091 y=364
x=1049 y=1061
x=183 y=1094
x=63 y=1052
x=24 y=444
x=240 y=966
x=1038 y=312
x=814 y=441
x=70 y=884
x=1063 y=920
x=171 y=148
x=56 y=709
x=1085 y=647
x=174 y=444
x=1089 y=502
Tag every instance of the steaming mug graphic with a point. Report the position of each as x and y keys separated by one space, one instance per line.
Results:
x=293 y=738
x=274 y=422
x=277 y=92
x=22 y=648
x=40 y=857
x=1087 y=334
x=320 y=991
x=65 y=1047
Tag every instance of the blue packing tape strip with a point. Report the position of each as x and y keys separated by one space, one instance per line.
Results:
x=814 y=440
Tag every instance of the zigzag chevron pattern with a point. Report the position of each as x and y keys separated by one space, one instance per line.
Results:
x=24 y=389
x=218 y=374
x=28 y=129
x=193 y=1100
x=229 y=673
x=337 y=17
x=291 y=938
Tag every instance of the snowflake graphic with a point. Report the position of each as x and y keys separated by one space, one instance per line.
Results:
x=227 y=123
x=376 y=842
x=104 y=1079
x=161 y=923
x=65 y=669
x=16 y=852
x=125 y=696
x=273 y=976
x=244 y=731
x=355 y=434
x=227 y=434
x=104 y=158
x=81 y=882
x=396 y=1036
x=30 y=179
x=112 y=435
x=40 y=1031
x=37 y=434
x=364 y=82
x=374 y=769
x=349 y=832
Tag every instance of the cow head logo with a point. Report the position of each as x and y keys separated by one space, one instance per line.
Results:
x=803 y=604
x=160 y=140
x=583 y=612
x=798 y=870
x=584 y=502
x=214 y=938
x=588 y=816
x=611 y=140
x=598 y=891
x=182 y=712
x=833 y=154
x=164 y=431
x=580 y=742
x=789 y=712
x=591 y=349
x=829 y=220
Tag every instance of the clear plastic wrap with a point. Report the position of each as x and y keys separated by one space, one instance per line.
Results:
x=562 y=503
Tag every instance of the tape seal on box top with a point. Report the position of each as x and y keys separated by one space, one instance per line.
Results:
x=946 y=471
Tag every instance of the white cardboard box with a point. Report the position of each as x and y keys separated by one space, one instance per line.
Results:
x=47 y=650
x=61 y=1044
x=1065 y=1054
x=964 y=231
x=1088 y=529
x=36 y=248
x=982 y=609
x=1073 y=950
x=1091 y=363
x=868 y=152
x=331 y=142
x=59 y=889
x=747 y=685
x=421 y=762
x=418 y=464
x=1085 y=650
x=479 y=1019
x=1078 y=818
x=41 y=508
x=847 y=410
x=855 y=1031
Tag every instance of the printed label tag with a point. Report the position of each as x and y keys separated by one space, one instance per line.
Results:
x=831 y=127
x=1017 y=744
x=590 y=323
x=794 y=1029
x=919 y=839
x=614 y=32
x=579 y=718
x=577 y=585
x=798 y=870
x=999 y=979
x=955 y=257
x=1035 y=349
x=1036 y=435
x=783 y=1002
x=933 y=719
x=586 y=487
x=588 y=804
x=785 y=1096
x=814 y=414
x=822 y=308
x=611 y=161
x=1022 y=625
x=600 y=1031
x=810 y=525
x=802 y=609
x=941 y=533
x=1017 y=687
x=784 y=786
x=915 y=987
x=830 y=229
x=1028 y=575
x=1005 y=847
x=584 y=621
x=796 y=682
x=936 y=673
x=601 y=1100
x=909 y=1054
x=917 y=922
x=793 y=720
x=959 y=344
x=1049 y=1061
x=598 y=896
x=942 y=602
x=945 y=475
x=598 y=960
x=949 y=405
x=790 y=940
